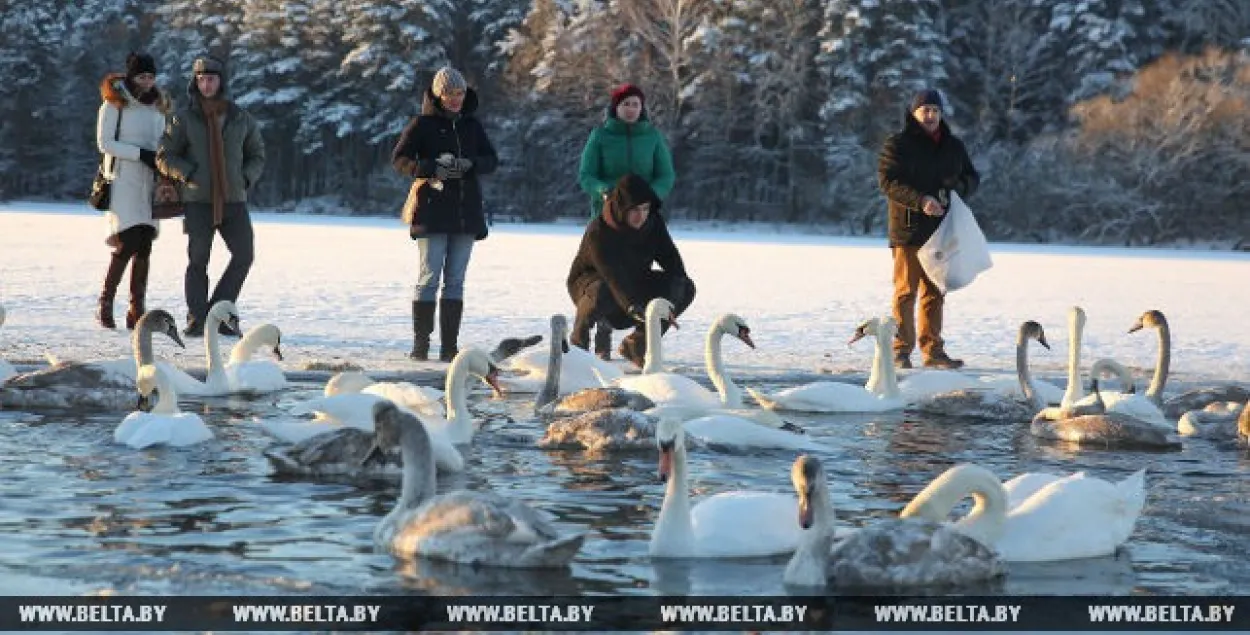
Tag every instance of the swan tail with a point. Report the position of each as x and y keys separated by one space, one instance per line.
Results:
x=556 y=553
x=763 y=400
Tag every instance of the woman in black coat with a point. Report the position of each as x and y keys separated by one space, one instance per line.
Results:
x=445 y=150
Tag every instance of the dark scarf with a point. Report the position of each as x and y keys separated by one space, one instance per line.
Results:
x=213 y=109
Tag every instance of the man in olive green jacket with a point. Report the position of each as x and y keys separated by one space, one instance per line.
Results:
x=215 y=150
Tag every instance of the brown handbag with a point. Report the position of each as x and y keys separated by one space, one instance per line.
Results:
x=166 y=200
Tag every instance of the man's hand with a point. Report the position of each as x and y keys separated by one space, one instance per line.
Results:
x=637 y=314
x=932 y=207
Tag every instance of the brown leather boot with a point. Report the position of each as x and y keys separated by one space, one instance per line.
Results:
x=112 y=277
x=138 y=291
x=943 y=361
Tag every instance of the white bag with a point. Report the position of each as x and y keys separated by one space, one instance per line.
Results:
x=957 y=252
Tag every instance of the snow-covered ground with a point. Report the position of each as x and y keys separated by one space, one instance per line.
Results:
x=340 y=290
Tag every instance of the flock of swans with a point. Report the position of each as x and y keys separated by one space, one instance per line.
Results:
x=360 y=426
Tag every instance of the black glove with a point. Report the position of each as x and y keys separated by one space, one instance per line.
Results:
x=148 y=158
x=637 y=314
x=444 y=173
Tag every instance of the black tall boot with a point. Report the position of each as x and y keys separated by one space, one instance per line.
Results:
x=422 y=326
x=449 y=314
x=138 y=290
x=112 y=277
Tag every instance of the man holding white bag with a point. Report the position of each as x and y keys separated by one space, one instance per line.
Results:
x=918 y=168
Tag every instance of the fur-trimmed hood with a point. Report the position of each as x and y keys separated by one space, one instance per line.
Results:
x=113 y=90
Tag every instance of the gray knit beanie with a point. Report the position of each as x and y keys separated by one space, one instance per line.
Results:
x=447 y=79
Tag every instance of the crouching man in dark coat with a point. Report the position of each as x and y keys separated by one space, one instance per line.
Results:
x=612 y=278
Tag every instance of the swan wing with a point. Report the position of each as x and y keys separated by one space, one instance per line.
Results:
x=896 y=553
x=670 y=388
x=1077 y=516
x=144 y=429
x=259 y=376
x=924 y=383
x=420 y=399
x=830 y=396
x=746 y=524
x=618 y=429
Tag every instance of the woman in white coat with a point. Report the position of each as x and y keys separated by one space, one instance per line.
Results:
x=128 y=132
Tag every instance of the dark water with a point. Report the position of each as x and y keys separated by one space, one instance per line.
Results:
x=79 y=514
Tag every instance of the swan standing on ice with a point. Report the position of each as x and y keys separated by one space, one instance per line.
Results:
x=727 y=525
x=163 y=424
x=1053 y=518
x=894 y=553
x=994 y=405
x=476 y=528
x=245 y=375
x=1091 y=424
x=340 y=438
x=833 y=396
x=6 y=369
x=106 y=385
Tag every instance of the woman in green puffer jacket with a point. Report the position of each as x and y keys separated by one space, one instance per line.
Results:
x=625 y=143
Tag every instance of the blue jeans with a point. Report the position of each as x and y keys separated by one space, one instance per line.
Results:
x=444 y=256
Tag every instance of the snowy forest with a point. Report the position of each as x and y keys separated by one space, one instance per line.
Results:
x=1119 y=122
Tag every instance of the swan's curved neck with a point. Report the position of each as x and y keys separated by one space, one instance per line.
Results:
x=1026 y=378
x=1074 y=391
x=419 y=479
x=243 y=351
x=883 y=366
x=551 y=385
x=730 y=394
x=1155 y=392
x=141 y=341
x=166 y=397
x=674 y=528
x=212 y=351
x=653 y=360
x=989 y=508
x=811 y=557
x=459 y=419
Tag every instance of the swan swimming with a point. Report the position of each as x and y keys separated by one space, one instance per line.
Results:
x=1091 y=424
x=893 y=553
x=1053 y=518
x=548 y=404
x=91 y=385
x=342 y=433
x=833 y=396
x=163 y=424
x=994 y=405
x=477 y=528
x=1196 y=399
x=1218 y=420
x=726 y=525
x=216 y=383
x=246 y=375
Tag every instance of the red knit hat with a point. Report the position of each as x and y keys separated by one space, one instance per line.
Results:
x=620 y=93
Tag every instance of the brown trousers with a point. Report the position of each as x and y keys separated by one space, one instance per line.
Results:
x=909 y=277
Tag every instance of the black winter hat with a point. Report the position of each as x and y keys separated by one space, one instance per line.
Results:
x=138 y=64
x=927 y=97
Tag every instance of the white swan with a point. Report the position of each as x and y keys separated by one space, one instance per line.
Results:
x=666 y=388
x=995 y=405
x=6 y=369
x=246 y=375
x=1125 y=402
x=1075 y=390
x=106 y=385
x=332 y=442
x=476 y=528
x=163 y=424
x=1076 y=516
x=425 y=400
x=1218 y=420
x=894 y=553
x=216 y=383
x=581 y=370
x=726 y=525
x=833 y=396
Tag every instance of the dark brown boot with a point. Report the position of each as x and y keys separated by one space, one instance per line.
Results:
x=112 y=277
x=943 y=361
x=138 y=291
x=422 y=326
x=449 y=314
x=603 y=340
